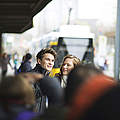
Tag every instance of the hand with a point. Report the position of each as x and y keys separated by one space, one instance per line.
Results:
x=31 y=77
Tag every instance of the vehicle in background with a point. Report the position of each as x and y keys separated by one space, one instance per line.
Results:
x=72 y=40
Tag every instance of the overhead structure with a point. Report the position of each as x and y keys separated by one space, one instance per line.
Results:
x=16 y=15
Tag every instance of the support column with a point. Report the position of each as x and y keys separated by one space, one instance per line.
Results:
x=117 y=44
x=0 y=54
x=0 y=44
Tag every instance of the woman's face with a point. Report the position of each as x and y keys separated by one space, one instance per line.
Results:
x=67 y=66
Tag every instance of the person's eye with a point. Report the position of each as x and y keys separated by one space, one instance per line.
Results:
x=47 y=59
x=68 y=65
x=53 y=60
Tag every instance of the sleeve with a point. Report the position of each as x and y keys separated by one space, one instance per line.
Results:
x=51 y=88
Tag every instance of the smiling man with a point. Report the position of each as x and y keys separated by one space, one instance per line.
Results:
x=45 y=62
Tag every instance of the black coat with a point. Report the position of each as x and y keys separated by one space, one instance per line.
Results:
x=49 y=87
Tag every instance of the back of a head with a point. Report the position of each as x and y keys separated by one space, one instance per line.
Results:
x=97 y=99
x=106 y=107
x=15 y=89
x=28 y=56
x=44 y=51
x=76 y=77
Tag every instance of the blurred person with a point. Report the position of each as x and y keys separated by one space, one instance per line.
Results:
x=96 y=99
x=4 y=61
x=76 y=77
x=45 y=62
x=19 y=69
x=105 y=64
x=69 y=62
x=31 y=77
x=15 y=61
x=26 y=63
x=49 y=86
x=23 y=58
x=16 y=98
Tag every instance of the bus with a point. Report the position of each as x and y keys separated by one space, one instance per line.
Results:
x=80 y=45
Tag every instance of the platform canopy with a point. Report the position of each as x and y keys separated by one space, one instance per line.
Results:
x=16 y=15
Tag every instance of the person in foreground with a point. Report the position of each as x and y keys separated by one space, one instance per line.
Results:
x=46 y=88
x=16 y=99
x=77 y=76
x=96 y=97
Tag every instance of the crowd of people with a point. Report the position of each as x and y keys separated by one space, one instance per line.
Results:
x=79 y=92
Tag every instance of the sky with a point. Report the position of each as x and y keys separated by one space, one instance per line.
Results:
x=98 y=9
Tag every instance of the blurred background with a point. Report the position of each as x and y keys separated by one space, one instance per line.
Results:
x=93 y=16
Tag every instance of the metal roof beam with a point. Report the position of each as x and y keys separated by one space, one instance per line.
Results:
x=39 y=6
x=16 y=15
x=18 y=1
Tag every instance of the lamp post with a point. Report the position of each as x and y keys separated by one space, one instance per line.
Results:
x=69 y=14
x=69 y=4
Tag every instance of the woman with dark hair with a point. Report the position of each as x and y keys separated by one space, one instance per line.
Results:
x=26 y=63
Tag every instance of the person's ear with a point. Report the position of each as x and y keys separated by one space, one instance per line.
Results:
x=38 y=61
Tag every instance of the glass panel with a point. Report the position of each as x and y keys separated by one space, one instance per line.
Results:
x=76 y=46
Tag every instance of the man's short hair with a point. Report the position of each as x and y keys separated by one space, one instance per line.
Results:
x=40 y=54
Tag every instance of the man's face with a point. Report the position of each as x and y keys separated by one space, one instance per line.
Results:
x=47 y=61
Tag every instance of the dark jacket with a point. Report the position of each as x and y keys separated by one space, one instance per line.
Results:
x=25 y=67
x=49 y=87
x=40 y=105
x=39 y=69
